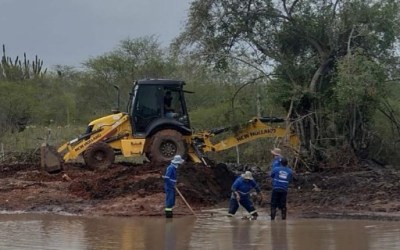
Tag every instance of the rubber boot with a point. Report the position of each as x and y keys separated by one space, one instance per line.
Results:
x=254 y=216
x=273 y=213
x=284 y=213
x=168 y=214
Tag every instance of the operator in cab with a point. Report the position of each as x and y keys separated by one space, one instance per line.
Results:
x=168 y=110
x=168 y=102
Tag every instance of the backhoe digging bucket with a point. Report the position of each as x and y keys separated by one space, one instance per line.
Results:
x=50 y=159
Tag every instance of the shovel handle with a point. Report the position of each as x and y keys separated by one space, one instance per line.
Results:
x=184 y=200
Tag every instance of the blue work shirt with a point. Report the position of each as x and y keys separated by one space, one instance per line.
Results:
x=170 y=176
x=243 y=187
x=281 y=177
x=276 y=162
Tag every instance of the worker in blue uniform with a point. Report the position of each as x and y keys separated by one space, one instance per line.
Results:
x=241 y=194
x=281 y=177
x=169 y=184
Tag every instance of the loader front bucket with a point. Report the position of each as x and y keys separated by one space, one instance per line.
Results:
x=50 y=159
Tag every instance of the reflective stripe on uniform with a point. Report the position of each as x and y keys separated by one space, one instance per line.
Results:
x=168 y=209
x=166 y=177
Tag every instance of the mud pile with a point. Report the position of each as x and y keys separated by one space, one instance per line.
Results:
x=129 y=190
x=124 y=189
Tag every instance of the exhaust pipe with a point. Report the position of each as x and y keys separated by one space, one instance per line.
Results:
x=50 y=159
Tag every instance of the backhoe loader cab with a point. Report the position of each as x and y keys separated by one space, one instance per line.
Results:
x=156 y=104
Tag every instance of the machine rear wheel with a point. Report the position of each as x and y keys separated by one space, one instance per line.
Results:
x=99 y=155
x=164 y=145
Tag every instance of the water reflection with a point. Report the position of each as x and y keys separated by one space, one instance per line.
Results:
x=279 y=238
x=41 y=231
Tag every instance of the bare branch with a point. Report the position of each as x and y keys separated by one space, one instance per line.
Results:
x=349 y=41
x=292 y=7
x=285 y=7
x=320 y=70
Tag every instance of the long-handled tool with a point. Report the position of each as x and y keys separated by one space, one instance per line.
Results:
x=184 y=200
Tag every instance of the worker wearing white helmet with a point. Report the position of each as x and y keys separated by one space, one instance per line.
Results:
x=276 y=162
x=169 y=184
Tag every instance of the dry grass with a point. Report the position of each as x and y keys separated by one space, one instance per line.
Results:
x=33 y=136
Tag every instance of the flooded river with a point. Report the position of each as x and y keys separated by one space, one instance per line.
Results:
x=44 y=231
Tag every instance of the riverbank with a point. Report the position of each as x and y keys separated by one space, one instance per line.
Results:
x=125 y=189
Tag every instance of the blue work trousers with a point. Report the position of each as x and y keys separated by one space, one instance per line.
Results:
x=278 y=198
x=245 y=201
x=169 y=198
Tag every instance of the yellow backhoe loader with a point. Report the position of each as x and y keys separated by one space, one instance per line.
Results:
x=156 y=125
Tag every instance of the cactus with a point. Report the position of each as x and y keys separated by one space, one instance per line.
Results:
x=16 y=70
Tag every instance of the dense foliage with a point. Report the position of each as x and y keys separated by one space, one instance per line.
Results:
x=330 y=60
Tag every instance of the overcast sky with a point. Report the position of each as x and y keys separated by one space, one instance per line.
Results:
x=68 y=32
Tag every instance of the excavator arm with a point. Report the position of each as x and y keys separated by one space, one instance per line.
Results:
x=258 y=127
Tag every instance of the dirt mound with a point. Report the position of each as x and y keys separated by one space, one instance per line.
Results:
x=130 y=189
x=127 y=189
x=205 y=185
x=200 y=184
x=368 y=189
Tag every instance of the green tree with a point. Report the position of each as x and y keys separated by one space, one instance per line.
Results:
x=15 y=110
x=359 y=90
x=301 y=44
x=133 y=59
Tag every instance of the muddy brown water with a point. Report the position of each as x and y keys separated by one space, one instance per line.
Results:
x=211 y=230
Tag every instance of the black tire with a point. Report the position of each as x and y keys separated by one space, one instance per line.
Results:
x=164 y=145
x=99 y=155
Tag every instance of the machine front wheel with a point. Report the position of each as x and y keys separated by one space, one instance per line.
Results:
x=99 y=155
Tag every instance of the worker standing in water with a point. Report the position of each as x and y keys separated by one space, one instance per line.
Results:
x=241 y=195
x=169 y=184
x=281 y=177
